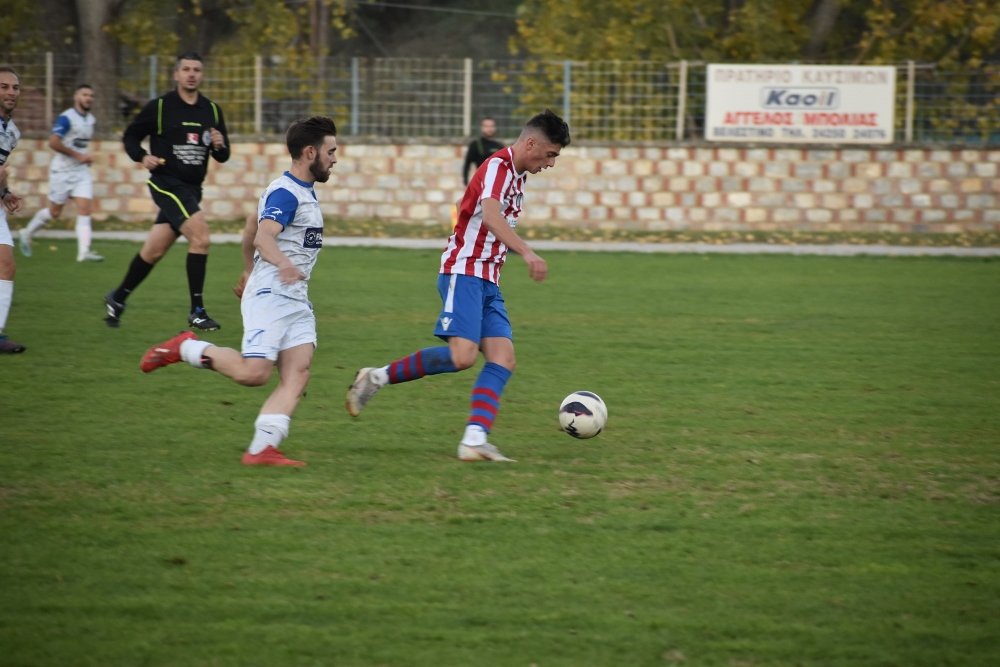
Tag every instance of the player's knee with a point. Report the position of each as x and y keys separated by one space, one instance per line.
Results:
x=8 y=267
x=199 y=243
x=464 y=359
x=254 y=377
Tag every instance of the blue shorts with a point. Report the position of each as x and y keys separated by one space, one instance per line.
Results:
x=472 y=308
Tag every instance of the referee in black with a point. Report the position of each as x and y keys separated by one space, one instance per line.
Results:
x=480 y=149
x=184 y=127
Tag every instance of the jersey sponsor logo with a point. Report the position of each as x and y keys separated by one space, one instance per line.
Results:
x=192 y=138
x=206 y=138
x=446 y=322
x=313 y=238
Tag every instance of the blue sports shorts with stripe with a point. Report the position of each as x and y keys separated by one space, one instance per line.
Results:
x=471 y=308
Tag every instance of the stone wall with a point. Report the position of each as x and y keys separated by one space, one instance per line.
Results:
x=654 y=188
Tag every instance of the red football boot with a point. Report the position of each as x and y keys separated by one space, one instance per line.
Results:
x=166 y=353
x=271 y=456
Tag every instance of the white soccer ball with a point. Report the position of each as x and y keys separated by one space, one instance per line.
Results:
x=583 y=414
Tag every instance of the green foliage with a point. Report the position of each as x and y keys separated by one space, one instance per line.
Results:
x=800 y=468
x=140 y=29
x=886 y=31
x=281 y=33
x=959 y=38
x=14 y=35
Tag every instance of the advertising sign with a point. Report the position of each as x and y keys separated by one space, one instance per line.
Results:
x=839 y=104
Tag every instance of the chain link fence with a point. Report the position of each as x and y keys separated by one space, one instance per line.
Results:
x=410 y=99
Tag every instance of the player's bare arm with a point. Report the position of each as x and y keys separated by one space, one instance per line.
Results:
x=11 y=202
x=56 y=144
x=246 y=244
x=267 y=245
x=497 y=224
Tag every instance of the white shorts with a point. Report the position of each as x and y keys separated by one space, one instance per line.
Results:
x=274 y=323
x=70 y=183
x=5 y=237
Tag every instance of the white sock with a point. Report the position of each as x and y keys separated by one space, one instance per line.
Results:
x=82 y=235
x=193 y=350
x=269 y=431
x=474 y=435
x=380 y=376
x=6 y=296
x=37 y=221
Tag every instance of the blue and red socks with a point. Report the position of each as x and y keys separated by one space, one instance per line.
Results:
x=428 y=361
x=486 y=399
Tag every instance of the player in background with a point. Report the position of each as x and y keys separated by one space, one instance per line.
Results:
x=69 y=174
x=184 y=127
x=10 y=91
x=480 y=149
x=473 y=316
x=280 y=247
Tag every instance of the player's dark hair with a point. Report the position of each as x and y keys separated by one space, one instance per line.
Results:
x=189 y=55
x=552 y=126
x=308 y=132
x=82 y=86
x=10 y=70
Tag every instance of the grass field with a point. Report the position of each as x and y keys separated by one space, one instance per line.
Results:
x=801 y=467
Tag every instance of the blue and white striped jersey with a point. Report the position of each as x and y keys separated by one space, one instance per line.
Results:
x=75 y=130
x=9 y=134
x=292 y=204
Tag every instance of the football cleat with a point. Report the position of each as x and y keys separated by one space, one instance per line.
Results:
x=24 y=243
x=271 y=456
x=7 y=346
x=201 y=321
x=90 y=256
x=483 y=452
x=361 y=391
x=165 y=353
x=114 y=309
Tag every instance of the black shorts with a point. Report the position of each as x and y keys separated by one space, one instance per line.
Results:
x=176 y=199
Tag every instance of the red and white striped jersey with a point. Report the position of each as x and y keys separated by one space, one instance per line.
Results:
x=472 y=249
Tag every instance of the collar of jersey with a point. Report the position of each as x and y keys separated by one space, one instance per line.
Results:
x=510 y=151
x=302 y=183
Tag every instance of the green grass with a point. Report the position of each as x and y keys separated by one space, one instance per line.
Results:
x=801 y=467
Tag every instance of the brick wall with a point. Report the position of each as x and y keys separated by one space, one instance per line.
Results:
x=655 y=188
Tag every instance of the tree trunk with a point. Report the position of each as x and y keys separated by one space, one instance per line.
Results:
x=824 y=19
x=100 y=61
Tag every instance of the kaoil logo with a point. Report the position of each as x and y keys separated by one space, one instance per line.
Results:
x=800 y=98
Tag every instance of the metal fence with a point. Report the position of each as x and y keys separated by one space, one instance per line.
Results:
x=402 y=99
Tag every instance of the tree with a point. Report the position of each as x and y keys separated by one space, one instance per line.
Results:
x=753 y=30
x=956 y=38
x=98 y=53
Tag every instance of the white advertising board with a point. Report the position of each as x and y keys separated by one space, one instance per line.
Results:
x=838 y=104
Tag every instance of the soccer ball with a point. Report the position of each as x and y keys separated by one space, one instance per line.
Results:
x=583 y=414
